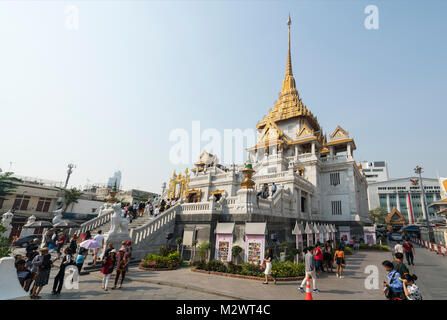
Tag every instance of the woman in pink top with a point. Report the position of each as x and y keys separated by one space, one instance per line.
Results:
x=318 y=256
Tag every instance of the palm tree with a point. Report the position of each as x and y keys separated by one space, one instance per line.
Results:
x=71 y=196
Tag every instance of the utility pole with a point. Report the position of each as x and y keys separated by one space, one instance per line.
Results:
x=69 y=172
x=419 y=171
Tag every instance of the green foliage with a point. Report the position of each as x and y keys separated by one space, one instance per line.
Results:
x=375 y=247
x=348 y=250
x=5 y=249
x=287 y=269
x=165 y=251
x=279 y=269
x=170 y=261
x=236 y=251
x=8 y=183
x=179 y=241
x=203 y=249
x=71 y=196
x=378 y=215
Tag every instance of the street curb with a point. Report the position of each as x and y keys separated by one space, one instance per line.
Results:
x=182 y=286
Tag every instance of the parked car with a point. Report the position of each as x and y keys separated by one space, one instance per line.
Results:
x=396 y=237
x=23 y=242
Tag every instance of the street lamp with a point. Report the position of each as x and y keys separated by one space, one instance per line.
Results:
x=418 y=170
x=69 y=172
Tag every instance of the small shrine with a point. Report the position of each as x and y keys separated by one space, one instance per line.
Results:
x=395 y=220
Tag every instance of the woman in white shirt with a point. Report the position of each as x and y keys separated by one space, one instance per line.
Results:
x=411 y=290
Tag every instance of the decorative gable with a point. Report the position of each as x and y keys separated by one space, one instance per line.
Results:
x=304 y=132
x=339 y=133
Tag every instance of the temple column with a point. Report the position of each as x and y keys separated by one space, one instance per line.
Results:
x=313 y=148
x=296 y=152
x=349 y=151
x=299 y=202
x=388 y=202
x=331 y=152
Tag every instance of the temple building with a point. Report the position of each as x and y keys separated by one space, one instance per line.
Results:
x=298 y=185
x=318 y=182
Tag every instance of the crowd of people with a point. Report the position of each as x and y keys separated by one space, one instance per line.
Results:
x=33 y=269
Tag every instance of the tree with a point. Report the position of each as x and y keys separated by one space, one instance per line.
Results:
x=378 y=215
x=235 y=252
x=179 y=242
x=5 y=250
x=194 y=244
x=8 y=184
x=204 y=248
x=71 y=196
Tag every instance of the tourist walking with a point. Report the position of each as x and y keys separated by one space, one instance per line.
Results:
x=59 y=279
x=409 y=252
x=411 y=290
x=309 y=262
x=399 y=264
x=107 y=268
x=327 y=256
x=398 y=248
x=80 y=258
x=99 y=238
x=141 y=207
x=60 y=243
x=73 y=243
x=339 y=259
x=31 y=252
x=356 y=244
x=122 y=260
x=393 y=287
x=25 y=276
x=268 y=266
x=43 y=263
x=108 y=250
x=318 y=258
x=273 y=188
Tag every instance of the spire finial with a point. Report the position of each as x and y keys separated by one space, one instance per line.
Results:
x=289 y=81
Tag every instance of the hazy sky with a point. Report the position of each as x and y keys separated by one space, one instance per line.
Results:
x=107 y=95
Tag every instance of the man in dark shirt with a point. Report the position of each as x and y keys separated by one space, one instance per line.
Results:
x=409 y=252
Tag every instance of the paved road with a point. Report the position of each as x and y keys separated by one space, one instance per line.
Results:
x=90 y=289
x=431 y=270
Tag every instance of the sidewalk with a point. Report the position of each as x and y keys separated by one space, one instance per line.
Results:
x=352 y=287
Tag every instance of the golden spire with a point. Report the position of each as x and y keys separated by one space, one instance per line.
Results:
x=288 y=83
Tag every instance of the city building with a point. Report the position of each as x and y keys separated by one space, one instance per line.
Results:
x=39 y=197
x=375 y=171
x=115 y=180
x=405 y=195
x=134 y=195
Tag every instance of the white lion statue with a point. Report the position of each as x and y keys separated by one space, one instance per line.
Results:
x=119 y=224
x=57 y=216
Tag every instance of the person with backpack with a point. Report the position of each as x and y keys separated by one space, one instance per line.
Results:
x=107 y=268
x=411 y=290
x=339 y=259
x=43 y=263
x=399 y=265
x=59 y=279
x=393 y=288
x=309 y=262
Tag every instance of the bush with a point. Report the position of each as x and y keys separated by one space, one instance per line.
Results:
x=348 y=250
x=165 y=251
x=279 y=269
x=170 y=261
x=5 y=249
x=287 y=269
x=375 y=247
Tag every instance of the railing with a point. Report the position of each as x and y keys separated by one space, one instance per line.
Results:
x=142 y=232
x=96 y=222
x=197 y=206
x=270 y=176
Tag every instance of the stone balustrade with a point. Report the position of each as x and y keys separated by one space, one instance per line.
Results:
x=95 y=222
